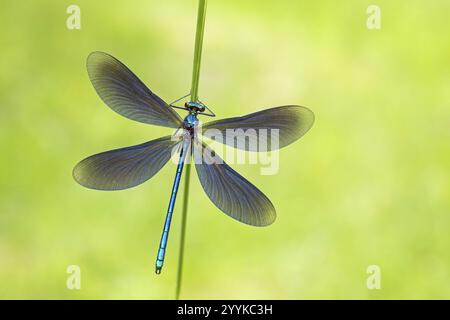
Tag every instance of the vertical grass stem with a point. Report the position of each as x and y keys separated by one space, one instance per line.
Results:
x=194 y=97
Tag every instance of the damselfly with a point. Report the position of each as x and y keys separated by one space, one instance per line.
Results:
x=127 y=167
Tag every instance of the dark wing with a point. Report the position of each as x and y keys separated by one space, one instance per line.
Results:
x=126 y=167
x=123 y=92
x=231 y=192
x=255 y=131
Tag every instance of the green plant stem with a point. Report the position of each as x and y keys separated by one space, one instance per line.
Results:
x=194 y=97
x=183 y=229
x=198 y=48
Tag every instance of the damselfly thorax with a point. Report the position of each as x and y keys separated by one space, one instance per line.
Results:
x=191 y=122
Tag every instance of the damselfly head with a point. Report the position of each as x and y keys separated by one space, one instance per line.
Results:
x=195 y=106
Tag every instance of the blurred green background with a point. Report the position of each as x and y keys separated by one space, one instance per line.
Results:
x=368 y=185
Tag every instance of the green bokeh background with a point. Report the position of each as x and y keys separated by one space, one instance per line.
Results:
x=368 y=185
